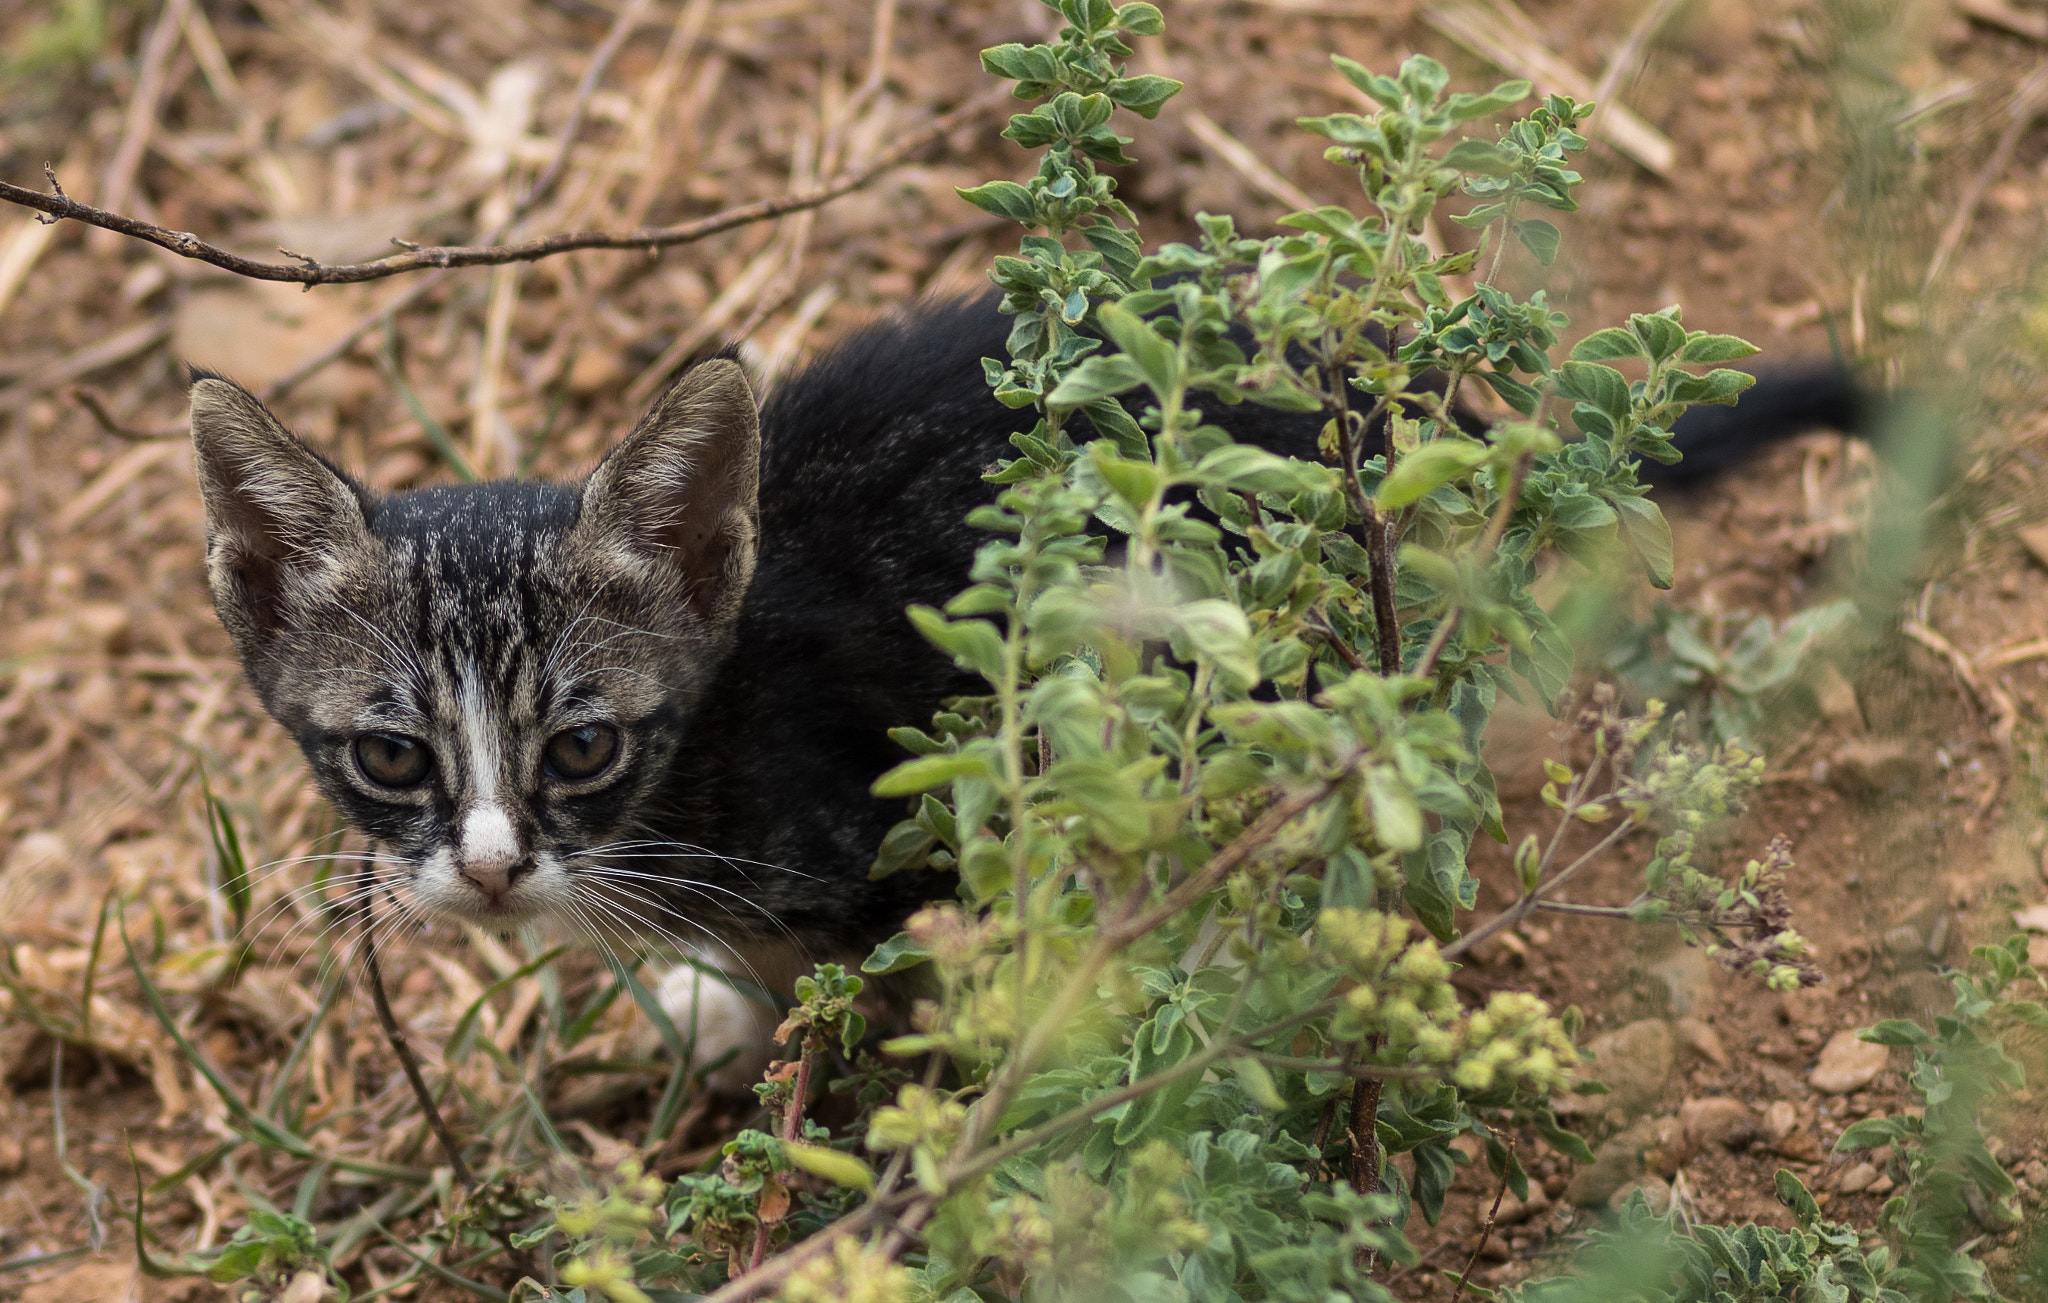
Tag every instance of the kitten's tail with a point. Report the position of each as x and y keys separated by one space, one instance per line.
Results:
x=1780 y=405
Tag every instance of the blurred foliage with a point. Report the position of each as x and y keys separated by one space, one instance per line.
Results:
x=69 y=38
x=1727 y=671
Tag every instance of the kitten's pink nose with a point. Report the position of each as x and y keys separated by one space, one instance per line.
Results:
x=488 y=852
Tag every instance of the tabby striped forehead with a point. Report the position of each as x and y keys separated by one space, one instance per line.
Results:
x=478 y=598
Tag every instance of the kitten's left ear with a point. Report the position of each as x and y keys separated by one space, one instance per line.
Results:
x=679 y=501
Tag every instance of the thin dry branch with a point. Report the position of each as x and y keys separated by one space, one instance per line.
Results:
x=76 y=366
x=1989 y=697
x=1628 y=58
x=395 y=1035
x=97 y=408
x=1239 y=157
x=309 y=272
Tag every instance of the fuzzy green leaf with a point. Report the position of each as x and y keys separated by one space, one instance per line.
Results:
x=1003 y=199
x=1649 y=534
x=1602 y=345
x=1602 y=386
x=1540 y=237
x=1097 y=378
x=973 y=644
x=1896 y=1031
x=1422 y=471
x=927 y=772
x=1715 y=348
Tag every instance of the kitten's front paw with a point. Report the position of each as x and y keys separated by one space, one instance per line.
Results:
x=723 y=1022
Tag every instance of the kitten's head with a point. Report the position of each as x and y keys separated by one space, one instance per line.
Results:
x=488 y=680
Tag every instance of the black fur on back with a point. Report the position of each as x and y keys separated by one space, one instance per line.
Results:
x=871 y=459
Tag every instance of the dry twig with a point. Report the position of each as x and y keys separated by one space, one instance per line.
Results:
x=76 y=366
x=416 y=258
x=1627 y=60
x=1486 y=1226
x=1989 y=697
x=614 y=40
x=97 y=408
x=407 y=1060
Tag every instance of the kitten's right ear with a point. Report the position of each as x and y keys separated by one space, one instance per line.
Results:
x=282 y=525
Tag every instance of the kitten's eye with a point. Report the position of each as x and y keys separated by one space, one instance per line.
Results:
x=584 y=752
x=394 y=760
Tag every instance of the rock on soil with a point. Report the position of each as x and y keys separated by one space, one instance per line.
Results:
x=1616 y=1163
x=1718 y=1120
x=2035 y=539
x=1638 y=1155
x=1655 y=1192
x=1779 y=1119
x=1702 y=1040
x=1633 y=1062
x=1781 y=1127
x=1848 y=1064
x=1873 y=766
x=1513 y=1211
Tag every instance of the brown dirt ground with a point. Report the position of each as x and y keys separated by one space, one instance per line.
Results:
x=117 y=689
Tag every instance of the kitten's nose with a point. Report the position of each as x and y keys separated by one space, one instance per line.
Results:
x=488 y=852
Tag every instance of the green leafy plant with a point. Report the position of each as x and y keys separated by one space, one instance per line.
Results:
x=1946 y=1174
x=1211 y=819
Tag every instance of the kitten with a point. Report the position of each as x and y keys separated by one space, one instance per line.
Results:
x=656 y=698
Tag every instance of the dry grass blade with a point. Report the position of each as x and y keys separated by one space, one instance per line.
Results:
x=1989 y=697
x=97 y=407
x=2007 y=16
x=1627 y=60
x=1244 y=162
x=140 y=121
x=2025 y=108
x=400 y=1046
x=117 y=348
x=1506 y=37
x=743 y=289
x=622 y=27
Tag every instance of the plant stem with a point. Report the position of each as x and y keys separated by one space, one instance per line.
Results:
x=1507 y=226
x=403 y=1049
x=1380 y=577
x=1520 y=910
x=1488 y=542
x=1590 y=911
x=792 y=1130
x=1486 y=1226
x=1362 y=1131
